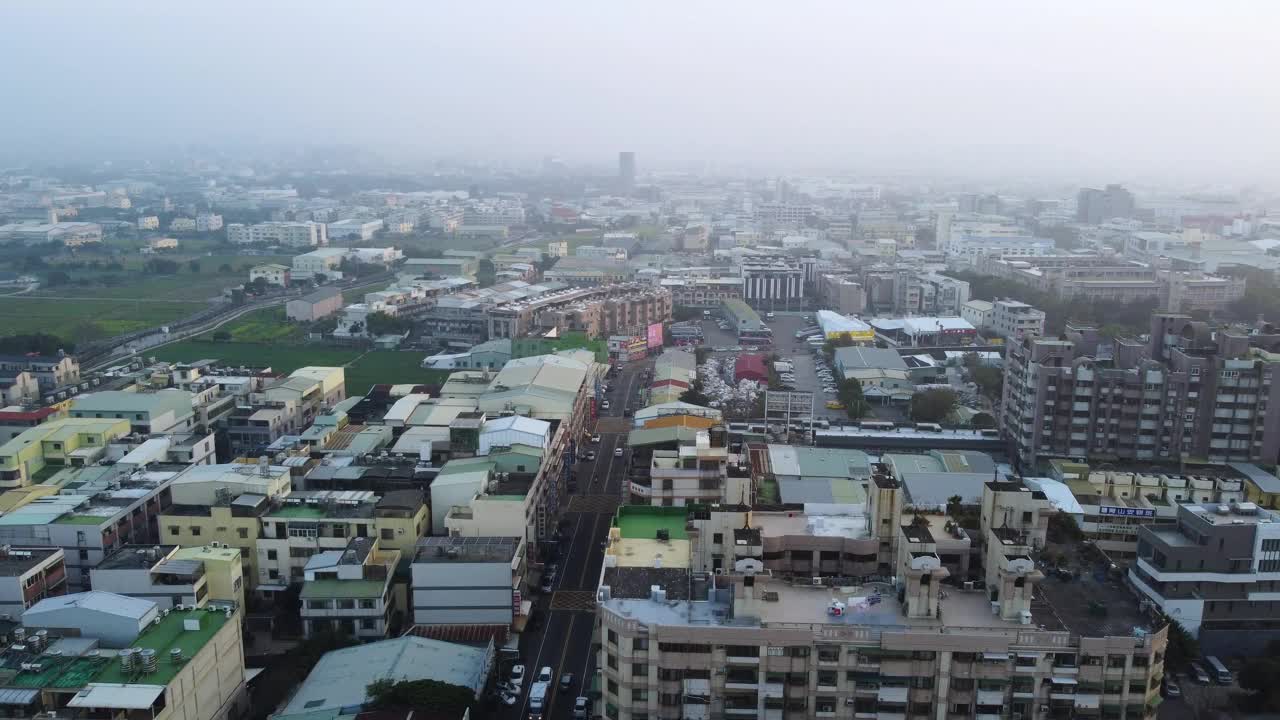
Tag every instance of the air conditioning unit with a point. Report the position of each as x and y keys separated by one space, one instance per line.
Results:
x=817 y=581
x=719 y=571
x=1044 y=708
x=848 y=701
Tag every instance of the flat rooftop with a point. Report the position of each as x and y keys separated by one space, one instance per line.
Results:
x=466 y=549
x=135 y=557
x=16 y=561
x=167 y=634
x=644 y=522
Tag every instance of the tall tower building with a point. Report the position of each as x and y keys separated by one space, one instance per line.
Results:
x=627 y=170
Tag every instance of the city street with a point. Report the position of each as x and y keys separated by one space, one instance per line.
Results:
x=567 y=616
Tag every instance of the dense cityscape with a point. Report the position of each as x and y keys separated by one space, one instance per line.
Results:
x=323 y=430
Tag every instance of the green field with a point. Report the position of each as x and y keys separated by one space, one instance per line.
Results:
x=268 y=325
x=362 y=369
x=85 y=320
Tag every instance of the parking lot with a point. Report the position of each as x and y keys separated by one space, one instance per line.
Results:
x=785 y=345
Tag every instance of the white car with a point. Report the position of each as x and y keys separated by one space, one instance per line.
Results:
x=617 y=452
x=517 y=675
x=545 y=674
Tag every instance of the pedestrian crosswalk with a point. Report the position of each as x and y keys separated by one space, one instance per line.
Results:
x=603 y=504
x=579 y=600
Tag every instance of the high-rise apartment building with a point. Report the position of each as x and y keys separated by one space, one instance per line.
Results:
x=724 y=612
x=627 y=170
x=1095 y=206
x=1192 y=392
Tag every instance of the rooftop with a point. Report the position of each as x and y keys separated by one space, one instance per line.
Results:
x=644 y=522
x=16 y=561
x=466 y=549
x=135 y=557
x=167 y=634
x=327 y=588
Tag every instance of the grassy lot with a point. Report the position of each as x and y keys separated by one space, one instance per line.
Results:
x=390 y=366
x=268 y=325
x=88 y=319
x=281 y=358
x=362 y=370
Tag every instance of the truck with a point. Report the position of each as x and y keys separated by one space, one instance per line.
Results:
x=538 y=696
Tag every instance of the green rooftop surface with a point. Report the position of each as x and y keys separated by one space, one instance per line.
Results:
x=169 y=633
x=298 y=511
x=512 y=498
x=62 y=672
x=82 y=519
x=643 y=521
x=329 y=589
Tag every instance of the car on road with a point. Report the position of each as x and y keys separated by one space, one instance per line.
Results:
x=580 y=707
x=604 y=405
x=566 y=681
x=517 y=675
x=545 y=674
x=595 y=439
x=548 y=584
x=617 y=452
x=753 y=348
x=591 y=454
x=768 y=316
x=1198 y=672
x=509 y=698
x=1172 y=688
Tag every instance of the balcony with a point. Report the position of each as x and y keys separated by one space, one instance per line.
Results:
x=743 y=659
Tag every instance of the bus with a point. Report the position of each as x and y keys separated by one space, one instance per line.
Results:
x=876 y=425
x=928 y=427
x=1218 y=670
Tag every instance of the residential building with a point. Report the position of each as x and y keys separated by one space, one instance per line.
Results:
x=739 y=640
x=186 y=664
x=182 y=224
x=339 y=682
x=19 y=388
x=348 y=591
x=155 y=573
x=292 y=234
x=310 y=522
x=1212 y=572
x=149 y=412
x=780 y=214
x=468 y=581
x=15 y=422
x=1189 y=392
x=51 y=372
x=924 y=331
x=208 y=222
x=978 y=313
x=157 y=244
x=353 y=228
x=272 y=273
x=842 y=294
x=65 y=442
x=224 y=504
x=702 y=291
x=502 y=213
x=598 y=311
x=1013 y=320
x=314 y=306
x=588 y=272
x=445 y=220
x=149 y=222
x=702 y=471
x=29 y=575
x=600 y=252
x=1094 y=207
x=223 y=571
x=558 y=248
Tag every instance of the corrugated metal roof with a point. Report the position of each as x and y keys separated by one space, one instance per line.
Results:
x=15 y=696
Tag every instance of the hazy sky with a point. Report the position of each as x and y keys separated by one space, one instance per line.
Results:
x=1117 y=89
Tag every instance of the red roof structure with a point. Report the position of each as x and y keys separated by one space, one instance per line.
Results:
x=750 y=367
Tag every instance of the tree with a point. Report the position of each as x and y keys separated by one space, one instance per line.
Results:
x=258 y=286
x=221 y=336
x=381 y=323
x=57 y=278
x=694 y=395
x=1261 y=677
x=38 y=343
x=982 y=421
x=990 y=381
x=850 y=393
x=932 y=406
x=448 y=698
x=1182 y=646
x=194 y=266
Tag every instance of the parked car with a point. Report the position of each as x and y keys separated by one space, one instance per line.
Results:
x=591 y=454
x=595 y=439
x=545 y=674
x=517 y=675
x=580 y=708
x=1172 y=688
x=1198 y=672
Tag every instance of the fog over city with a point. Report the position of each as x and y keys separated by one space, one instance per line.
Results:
x=1135 y=90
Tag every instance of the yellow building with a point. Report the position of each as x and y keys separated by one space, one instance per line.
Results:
x=11 y=500
x=67 y=441
x=223 y=571
x=202 y=680
x=228 y=525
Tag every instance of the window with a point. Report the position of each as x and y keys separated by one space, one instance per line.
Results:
x=347 y=604
x=639 y=669
x=174 y=529
x=828 y=677
x=613 y=637
x=319 y=604
x=243 y=533
x=273 y=574
x=368 y=624
x=638 y=644
x=367 y=604
x=677 y=647
x=195 y=531
x=612 y=662
x=613 y=687
x=271 y=554
x=717 y=538
x=387 y=534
